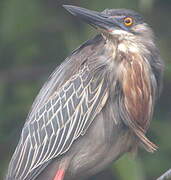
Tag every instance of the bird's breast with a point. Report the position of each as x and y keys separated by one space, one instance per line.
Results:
x=134 y=75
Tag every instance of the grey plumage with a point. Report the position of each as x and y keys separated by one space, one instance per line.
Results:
x=85 y=113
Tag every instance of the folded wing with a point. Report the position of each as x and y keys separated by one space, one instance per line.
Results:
x=62 y=119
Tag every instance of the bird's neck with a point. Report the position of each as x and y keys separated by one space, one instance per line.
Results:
x=133 y=74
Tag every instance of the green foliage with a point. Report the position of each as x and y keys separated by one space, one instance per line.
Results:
x=129 y=168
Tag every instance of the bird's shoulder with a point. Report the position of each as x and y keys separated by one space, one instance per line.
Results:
x=62 y=73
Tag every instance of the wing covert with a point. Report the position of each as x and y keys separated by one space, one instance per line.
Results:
x=63 y=118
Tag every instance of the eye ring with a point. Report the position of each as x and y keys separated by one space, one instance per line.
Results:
x=128 y=21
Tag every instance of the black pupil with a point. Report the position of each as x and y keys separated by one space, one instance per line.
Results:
x=127 y=21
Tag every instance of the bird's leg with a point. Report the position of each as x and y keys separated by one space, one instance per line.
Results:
x=61 y=170
x=60 y=174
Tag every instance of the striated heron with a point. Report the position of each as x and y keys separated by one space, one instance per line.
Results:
x=96 y=106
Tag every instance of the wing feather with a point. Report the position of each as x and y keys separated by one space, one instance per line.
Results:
x=63 y=118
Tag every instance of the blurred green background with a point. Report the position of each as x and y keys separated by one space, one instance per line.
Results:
x=36 y=36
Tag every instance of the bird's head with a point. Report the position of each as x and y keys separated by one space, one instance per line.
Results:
x=116 y=24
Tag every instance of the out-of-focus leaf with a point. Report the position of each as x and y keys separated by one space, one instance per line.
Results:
x=129 y=168
x=19 y=18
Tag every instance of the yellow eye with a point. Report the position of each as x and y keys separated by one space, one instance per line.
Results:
x=128 y=21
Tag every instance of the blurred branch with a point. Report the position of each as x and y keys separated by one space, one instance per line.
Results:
x=166 y=175
x=25 y=73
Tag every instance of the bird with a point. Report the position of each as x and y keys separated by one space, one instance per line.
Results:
x=97 y=105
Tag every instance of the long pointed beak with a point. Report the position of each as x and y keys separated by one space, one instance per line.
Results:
x=95 y=19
